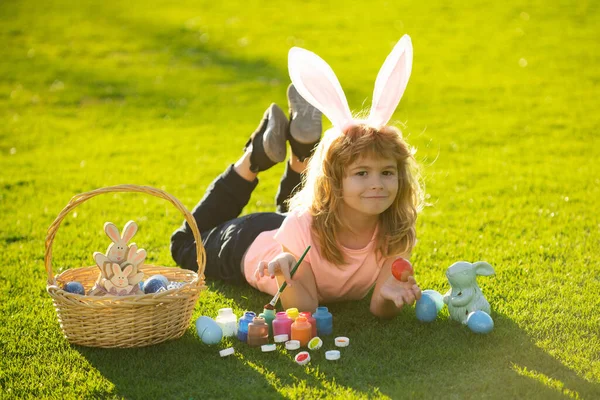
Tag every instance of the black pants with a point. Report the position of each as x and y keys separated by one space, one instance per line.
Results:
x=225 y=235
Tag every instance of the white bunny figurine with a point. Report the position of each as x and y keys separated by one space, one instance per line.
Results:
x=465 y=295
x=118 y=250
x=119 y=283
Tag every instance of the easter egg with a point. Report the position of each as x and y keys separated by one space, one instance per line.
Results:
x=162 y=278
x=74 y=287
x=426 y=308
x=401 y=269
x=437 y=297
x=480 y=322
x=208 y=330
x=155 y=284
x=175 y=285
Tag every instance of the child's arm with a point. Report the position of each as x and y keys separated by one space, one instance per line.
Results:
x=301 y=291
x=390 y=294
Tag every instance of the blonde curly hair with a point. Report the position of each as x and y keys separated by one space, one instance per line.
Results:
x=321 y=193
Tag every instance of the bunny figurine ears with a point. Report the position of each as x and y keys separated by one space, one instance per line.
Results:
x=316 y=82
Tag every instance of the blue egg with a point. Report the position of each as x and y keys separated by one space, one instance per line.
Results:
x=74 y=287
x=480 y=322
x=154 y=284
x=161 y=277
x=208 y=330
x=426 y=309
x=437 y=297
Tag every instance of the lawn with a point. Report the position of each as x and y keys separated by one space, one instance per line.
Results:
x=502 y=108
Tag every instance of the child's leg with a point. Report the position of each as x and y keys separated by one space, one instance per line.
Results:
x=226 y=244
x=267 y=143
x=305 y=125
x=291 y=182
x=304 y=135
x=229 y=193
x=224 y=200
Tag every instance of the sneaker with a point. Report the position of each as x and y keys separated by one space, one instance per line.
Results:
x=305 y=125
x=269 y=140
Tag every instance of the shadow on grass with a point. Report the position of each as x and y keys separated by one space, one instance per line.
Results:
x=183 y=368
x=187 y=368
x=86 y=84
x=154 y=50
x=397 y=358
x=404 y=354
x=427 y=358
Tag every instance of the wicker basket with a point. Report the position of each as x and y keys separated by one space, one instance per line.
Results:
x=124 y=321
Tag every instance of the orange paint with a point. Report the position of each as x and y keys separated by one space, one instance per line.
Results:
x=301 y=330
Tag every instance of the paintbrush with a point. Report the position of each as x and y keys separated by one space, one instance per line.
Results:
x=271 y=305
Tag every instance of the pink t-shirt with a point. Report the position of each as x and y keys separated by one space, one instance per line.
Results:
x=334 y=283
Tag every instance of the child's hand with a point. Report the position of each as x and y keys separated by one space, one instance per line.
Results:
x=282 y=263
x=401 y=292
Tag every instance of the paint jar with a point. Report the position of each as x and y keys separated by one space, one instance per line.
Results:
x=258 y=332
x=301 y=330
x=312 y=321
x=292 y=313
x=324 y=321
x=227 y=320
x=242 y=333
x=282 y=324
x=269 y=316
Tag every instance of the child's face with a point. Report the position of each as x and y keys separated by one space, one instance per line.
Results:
x=370 y=186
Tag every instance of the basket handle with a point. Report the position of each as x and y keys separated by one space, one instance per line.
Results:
x=82 y=197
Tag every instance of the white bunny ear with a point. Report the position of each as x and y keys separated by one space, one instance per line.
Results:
x=391 y=82
x=100 y=259
x=116 y=269
x=136 y=278
x=483 y=268
x=129 y=230
x=135 y=256
x=112 y=231
x=139 y=257
x=103 y=263
x=127 y=270
x=132 y=249
x=317 y=84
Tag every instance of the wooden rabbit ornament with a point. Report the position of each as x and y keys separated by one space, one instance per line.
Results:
x=119 y=274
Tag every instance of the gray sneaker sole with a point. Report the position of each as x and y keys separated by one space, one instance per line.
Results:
x=274 y=138
x=305 y=125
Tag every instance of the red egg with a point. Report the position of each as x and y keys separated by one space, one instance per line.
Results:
x=401 y=269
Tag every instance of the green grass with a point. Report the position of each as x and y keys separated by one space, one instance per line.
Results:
x=502 y=107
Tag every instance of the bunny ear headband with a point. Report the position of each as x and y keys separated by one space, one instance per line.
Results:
x=316 y=82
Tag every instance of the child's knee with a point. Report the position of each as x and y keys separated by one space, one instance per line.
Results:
x=177 y=244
